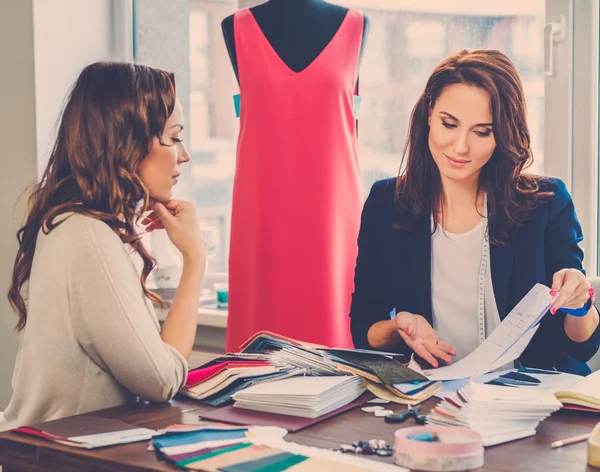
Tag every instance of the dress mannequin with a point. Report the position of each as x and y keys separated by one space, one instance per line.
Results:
x=297 y=193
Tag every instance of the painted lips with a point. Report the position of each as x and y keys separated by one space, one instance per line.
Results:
x=456 y=162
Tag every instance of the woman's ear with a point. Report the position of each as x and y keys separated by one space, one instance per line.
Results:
x=429 y=113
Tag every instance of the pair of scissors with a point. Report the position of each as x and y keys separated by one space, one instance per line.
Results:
x=405 y=415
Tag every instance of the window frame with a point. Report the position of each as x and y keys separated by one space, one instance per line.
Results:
x=570 y=152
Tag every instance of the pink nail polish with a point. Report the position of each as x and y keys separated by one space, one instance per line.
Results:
x=553 y=291
x=553 y=310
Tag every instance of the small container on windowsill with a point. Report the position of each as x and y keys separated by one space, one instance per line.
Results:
x=222 y=290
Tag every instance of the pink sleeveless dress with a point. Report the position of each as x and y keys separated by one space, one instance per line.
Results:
x=297 y=192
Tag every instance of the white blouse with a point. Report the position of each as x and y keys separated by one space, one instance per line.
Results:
x=455 y=264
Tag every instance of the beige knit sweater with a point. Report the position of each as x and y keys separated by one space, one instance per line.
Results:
x=92 y=338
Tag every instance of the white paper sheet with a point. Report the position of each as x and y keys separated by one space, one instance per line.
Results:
x=505 y=344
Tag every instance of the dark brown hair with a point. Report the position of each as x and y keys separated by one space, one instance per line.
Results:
x=511 y=194
x=113 y=112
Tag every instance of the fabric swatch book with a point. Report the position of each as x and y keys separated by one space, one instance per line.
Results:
x=376 y=367
x=307 y=397
x=215 y=381
x=87 y=432
x=268 y=357
x=381 y=367
x=266 y=341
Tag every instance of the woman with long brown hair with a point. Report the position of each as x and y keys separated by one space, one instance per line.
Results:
x=90 y=337
x=449 y=247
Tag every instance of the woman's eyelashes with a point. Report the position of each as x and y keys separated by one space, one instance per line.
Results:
x=482 y=134
x=175 y=139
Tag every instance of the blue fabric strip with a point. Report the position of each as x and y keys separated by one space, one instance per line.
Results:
x=237 y=104
x=201 y=436
x=266 y=463
x=357 y=102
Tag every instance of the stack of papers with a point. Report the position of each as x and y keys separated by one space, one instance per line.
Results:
x=307 y=397
x=498 y=413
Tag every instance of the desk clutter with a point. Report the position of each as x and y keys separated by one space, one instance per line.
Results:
x=276 y=385
x=274 y=379
x=217 y=447
x=267 y=359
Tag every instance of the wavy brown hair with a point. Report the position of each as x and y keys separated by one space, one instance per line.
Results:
x=511 y=194
x=112 y=114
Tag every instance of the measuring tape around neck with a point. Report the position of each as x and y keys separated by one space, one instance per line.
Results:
x=481 y=276
x=485 y=256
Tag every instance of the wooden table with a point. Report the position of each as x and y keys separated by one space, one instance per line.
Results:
x=22 y=453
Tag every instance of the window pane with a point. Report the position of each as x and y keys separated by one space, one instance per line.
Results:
x=213 y=125
x=407 y=39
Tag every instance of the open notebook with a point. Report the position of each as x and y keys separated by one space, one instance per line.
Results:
x=573 y=391
x=585 y=392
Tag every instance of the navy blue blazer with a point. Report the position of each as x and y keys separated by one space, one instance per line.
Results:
x=393 y=272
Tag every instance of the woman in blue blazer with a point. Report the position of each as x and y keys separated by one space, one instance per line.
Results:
x=447 y=249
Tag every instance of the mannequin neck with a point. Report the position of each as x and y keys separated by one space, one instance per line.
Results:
x=293 y=4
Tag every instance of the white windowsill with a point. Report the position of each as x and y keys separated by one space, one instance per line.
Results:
x=213 y=317
x=206 y=316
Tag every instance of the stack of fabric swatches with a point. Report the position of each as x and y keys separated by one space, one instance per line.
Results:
x=268 y=357
x=218 y=379
x=225 y=448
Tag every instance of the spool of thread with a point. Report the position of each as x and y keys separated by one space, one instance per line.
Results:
x=452 y=448
x=594 y=447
